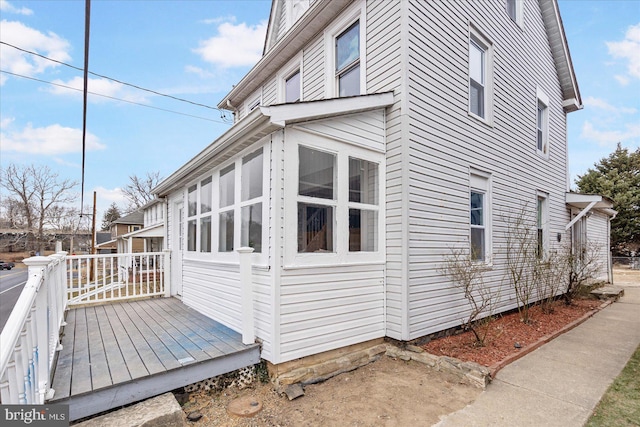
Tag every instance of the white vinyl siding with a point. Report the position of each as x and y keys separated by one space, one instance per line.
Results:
x=597 y=235
x=443 y=142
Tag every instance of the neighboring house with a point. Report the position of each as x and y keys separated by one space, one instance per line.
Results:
x=139 y=231
x=371 y=139
x=104 y=243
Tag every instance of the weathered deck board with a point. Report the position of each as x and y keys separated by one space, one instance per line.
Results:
x=62 y=380
x=81 y=368
x=121 y=353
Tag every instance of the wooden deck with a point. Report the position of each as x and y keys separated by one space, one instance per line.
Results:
x=116 y=354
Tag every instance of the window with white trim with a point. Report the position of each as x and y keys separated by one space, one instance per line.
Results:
x=542 y=123
x=347 y=61
x=541 y=226
x=345 y=47
x=292 y=87
x=335 y=203
x=479 y=217
x=231 y=216
x=514 y=10
x=480 y=76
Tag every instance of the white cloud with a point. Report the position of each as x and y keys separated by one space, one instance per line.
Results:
x=5 y=6
x=16 y=61
x=601 y=104
x=234 y=46
x=50 y=140
x=628 y=49
x=610 y=138
x=623 y=80
x=219 y=20
x=5 y=122
x=110 y=195
x=104 y=87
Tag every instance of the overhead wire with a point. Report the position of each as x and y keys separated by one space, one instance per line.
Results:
x=222 y=112
x=111 y=97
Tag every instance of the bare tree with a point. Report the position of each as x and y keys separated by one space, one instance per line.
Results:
x=138 y=190
x=467 y=275
x=38 y=190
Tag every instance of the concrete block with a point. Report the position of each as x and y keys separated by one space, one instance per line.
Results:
x=160 y=411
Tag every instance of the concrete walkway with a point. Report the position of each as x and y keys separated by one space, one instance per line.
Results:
x=560 y=383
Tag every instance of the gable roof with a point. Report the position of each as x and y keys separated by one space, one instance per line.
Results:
x=321 y=13
x=134 y=218
x=572 y=100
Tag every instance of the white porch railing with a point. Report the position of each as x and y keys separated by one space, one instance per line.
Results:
x=116 y=277
x=30 y=337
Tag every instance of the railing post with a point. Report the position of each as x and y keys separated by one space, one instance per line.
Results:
x=248 y=335
x=37 y=265
x=166 y=263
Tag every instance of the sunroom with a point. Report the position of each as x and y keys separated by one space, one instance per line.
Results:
x=302 y=185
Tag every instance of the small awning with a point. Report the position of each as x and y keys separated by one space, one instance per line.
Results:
x=153 y=231
x=586 y=202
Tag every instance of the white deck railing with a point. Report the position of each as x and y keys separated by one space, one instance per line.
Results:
x=30 y=337
x=116 y=277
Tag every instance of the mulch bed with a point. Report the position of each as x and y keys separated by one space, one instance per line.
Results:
x=507 y=332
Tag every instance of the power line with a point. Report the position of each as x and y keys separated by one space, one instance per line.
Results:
x=222 y=112
x=85 y=93
x=112 y=97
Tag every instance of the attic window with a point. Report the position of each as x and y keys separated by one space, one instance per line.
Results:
x=348 y=61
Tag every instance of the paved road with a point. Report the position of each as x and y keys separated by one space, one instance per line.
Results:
x=11 y=284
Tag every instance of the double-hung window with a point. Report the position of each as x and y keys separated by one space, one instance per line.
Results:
x=479 y=217
x=480 y=76
x=477 y=72
x=542 y=123
x=347 y=61
x=541 y=225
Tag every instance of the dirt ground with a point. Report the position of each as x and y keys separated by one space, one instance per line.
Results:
x=626 y=277
x=387 y=392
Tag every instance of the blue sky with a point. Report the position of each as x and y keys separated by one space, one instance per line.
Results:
x=197 y=50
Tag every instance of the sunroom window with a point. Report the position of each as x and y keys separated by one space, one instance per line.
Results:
x=251 y=206
x=226 y=214
x=363 y=205
x=316 y=177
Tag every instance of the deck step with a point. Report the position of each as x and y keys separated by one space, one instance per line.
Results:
x=608 y=292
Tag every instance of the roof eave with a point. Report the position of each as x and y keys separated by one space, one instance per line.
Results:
x=314 y=20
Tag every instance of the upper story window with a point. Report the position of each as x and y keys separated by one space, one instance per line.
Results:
x=542 y=123
x=347 y=51
x=514 y=10
x=292 y=87
x=345 y=47
x=480 y=76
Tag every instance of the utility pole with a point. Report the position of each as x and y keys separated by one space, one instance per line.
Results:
x=93 y=239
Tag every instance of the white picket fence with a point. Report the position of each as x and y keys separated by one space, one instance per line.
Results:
x=31 y=336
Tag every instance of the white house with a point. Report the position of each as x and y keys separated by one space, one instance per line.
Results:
x=371 y=139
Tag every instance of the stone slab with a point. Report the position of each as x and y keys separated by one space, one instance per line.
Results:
x=160 y=411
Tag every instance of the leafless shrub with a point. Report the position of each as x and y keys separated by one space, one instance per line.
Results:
x=468 y=276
